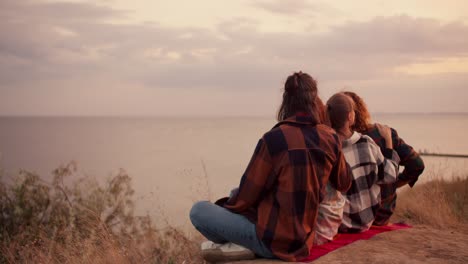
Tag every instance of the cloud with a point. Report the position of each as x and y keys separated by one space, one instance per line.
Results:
x=431 y=93
x=39 y=11
x=236 y=57
x=295 y=7
x=287 y=7
x=401 y=35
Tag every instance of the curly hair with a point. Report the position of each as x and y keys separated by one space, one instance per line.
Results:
x=362 y=116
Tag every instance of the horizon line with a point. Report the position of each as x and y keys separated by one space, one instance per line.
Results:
x=208 y=115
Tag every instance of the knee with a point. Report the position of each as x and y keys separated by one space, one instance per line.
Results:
x=198 y=211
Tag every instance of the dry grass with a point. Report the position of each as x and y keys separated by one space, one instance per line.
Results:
x=41 y=223
x=168 y=246
x=438 y=203
x=83 y=222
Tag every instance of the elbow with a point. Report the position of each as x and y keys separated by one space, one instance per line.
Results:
x=347 y=186
x=349 y=179
x=237 y=207
x=420 y=170
x=421 y=167
x=417 y=163
x=415 y=167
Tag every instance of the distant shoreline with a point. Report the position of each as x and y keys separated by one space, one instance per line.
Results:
x=224 y=116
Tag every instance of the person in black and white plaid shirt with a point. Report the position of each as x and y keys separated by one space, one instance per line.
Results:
x=369 y=166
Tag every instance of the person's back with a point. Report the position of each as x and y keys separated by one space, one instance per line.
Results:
x=273 y=212
x=369 y=168
x=409 y=159
x=303 y=156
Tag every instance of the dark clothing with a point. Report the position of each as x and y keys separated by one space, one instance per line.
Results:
x=413 y=167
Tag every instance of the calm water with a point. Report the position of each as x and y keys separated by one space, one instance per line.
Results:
x=165 y=156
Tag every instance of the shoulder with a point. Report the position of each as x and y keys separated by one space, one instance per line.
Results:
x=328 y=137
x=286 y=129
x=374 y=133
x=369 y=143
x=275 y=141
x=274 y=134
x=326 y=130
x=366 y=139
x=403 y=149
x=394 y=133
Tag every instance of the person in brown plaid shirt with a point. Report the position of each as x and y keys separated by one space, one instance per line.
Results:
x=274 y=210
x=409 y=159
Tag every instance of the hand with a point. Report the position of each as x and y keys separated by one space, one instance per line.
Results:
x=386 y=133
x=400 y=183
x=234 y=192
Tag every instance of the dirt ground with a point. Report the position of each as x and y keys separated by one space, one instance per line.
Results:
x=420 y=244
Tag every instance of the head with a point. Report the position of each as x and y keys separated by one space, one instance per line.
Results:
x=340 y=112
x=363 y=118
x=300 y=95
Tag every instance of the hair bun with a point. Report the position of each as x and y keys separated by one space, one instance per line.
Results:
x=295 y=85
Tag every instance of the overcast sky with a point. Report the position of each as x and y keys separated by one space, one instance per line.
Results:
x=225 y=57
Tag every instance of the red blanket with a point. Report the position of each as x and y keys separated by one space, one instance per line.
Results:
x=345 y=239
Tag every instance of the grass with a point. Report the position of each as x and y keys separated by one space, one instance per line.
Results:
x=89 y=222
x=438 y=203
x=83 y=221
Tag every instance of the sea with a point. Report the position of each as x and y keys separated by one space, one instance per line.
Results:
x=175 y=161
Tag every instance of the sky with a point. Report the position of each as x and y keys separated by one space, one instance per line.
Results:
x=228 y=58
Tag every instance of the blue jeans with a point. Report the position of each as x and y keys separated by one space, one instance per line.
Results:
x=221 y=226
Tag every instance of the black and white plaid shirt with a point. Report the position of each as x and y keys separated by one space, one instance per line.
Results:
x=370 y=167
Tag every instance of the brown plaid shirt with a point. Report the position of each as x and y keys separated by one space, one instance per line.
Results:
x=285 y=181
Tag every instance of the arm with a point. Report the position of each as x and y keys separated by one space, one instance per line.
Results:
x=387 y=159
x=410 y=159
x=386 y=133
x=340 y=175
x=257 y=179
x=387 y=164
